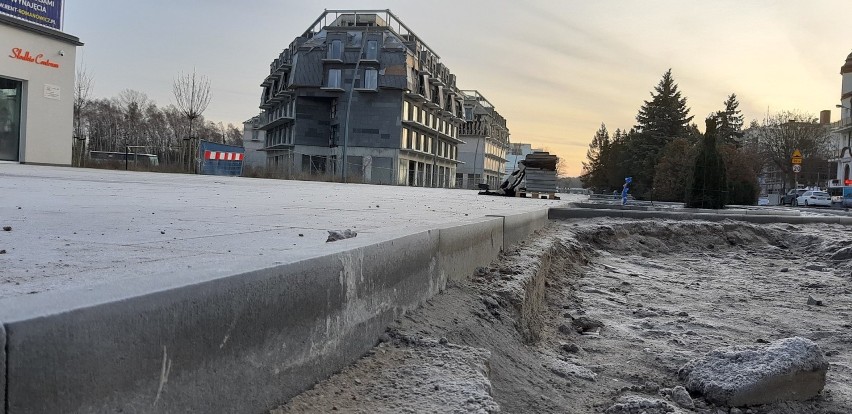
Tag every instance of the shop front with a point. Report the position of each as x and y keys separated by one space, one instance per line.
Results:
x=36 y=91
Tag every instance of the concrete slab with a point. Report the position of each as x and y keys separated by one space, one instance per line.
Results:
x=77 y=227
x=175 y=293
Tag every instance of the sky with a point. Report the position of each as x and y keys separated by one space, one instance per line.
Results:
x=556 y=70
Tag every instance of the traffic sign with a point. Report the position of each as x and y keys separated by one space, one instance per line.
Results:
x=797 y=168
x=797 y=157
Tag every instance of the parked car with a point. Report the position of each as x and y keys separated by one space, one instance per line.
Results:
x=814 y=198
x=791 y=196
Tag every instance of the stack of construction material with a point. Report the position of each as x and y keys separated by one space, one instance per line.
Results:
x=541 y=172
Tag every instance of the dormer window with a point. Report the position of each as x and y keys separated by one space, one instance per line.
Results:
x=372 y=50
x=335 y=50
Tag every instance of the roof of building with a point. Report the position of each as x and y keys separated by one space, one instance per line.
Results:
x=847 y=67
x=42 y=30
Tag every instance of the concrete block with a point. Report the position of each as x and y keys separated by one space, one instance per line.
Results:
x=518 y=227
x=574 y=213
x=242 y=343
x=462 y=248
x=791 y=369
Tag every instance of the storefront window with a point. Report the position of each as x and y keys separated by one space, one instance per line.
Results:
x=10 y=119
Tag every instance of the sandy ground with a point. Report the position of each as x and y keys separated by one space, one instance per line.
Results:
x=598 y=316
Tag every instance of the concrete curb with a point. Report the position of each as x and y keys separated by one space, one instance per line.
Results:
x=574 y=213
x=518 y=227
x=240 y=343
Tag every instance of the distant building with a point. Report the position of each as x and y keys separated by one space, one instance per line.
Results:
x=36 y=84
x=486 y=140
x=254 y=140
x=517 y=152
x=368 y=70
x=843 y=128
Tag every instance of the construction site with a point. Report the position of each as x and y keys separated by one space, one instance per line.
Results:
x=436 y=300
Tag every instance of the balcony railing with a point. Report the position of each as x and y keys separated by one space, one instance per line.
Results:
x=841 y=126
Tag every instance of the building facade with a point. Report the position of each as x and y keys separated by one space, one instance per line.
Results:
x=36 y=91
x=516 y=153
x=486 y=141
x=843 y=128
x=254 y=140
x=360 y=86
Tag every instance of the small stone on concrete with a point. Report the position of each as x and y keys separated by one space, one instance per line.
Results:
x=784 y=270
x=7 y=228
x=813 y=301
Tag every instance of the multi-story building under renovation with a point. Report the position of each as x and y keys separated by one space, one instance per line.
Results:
x=486 y=140
x=361 y=86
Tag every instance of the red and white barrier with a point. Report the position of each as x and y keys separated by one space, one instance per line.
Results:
x=223 y=156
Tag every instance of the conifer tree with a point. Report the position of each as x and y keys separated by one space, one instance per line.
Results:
x=709 y=185
x=730 y=122
x=666 y=116
x=594 y=171
x=659 y=121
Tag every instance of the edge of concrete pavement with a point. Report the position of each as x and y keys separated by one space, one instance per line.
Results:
x=247 y=341
x=562 y=213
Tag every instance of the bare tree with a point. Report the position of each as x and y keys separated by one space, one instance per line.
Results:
x=133 y=104
x=234 y=135
x=192 y=95
x=82 y=89
x=784 y=132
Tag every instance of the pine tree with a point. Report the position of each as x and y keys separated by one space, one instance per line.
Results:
x=673 y=171
x=709 y=187
x=659 y=121
x=666 y=116
x=730 y=128
x=594 y=171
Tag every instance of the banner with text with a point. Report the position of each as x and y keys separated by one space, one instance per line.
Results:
x=42 y=12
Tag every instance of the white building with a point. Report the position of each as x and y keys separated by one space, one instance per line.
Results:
x=486 y=140
x=843 y=128
x=517 y=152
x=254 y=139
x=36 y=84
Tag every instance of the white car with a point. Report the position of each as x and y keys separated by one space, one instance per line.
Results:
x=814 y=198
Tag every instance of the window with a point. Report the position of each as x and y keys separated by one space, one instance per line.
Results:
x=468 y=113
x=333 y=79
x=405 y=108
x=427 y=118
x=372 y=52
x=335 y=50
x=333 y=108
x=371 y=78
x=404 y=142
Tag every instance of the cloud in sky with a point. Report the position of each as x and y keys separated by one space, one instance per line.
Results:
x=555 y=70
